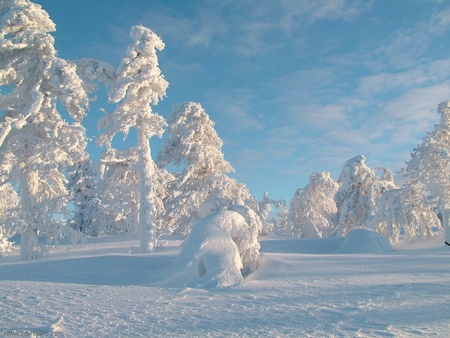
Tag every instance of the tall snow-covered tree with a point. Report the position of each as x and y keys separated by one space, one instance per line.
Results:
x=430 y=165
x=312 y=209
x=36 y=143
x=138 y=85
x=193 y=145
x=358 y=194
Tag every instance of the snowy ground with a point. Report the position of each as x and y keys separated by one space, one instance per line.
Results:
x=302 y=289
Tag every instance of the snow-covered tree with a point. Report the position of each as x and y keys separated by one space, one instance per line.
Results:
x=274 y=216
x=36 y=144
x=384 y=182
x=83 y=187
x=193 y=144
x=312 y=209
x=119 y=194
x=430 y=165
x=359 y=192
x=138 y=85
x=406 y=211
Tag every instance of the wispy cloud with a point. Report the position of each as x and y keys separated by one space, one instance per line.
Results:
x=234 y=109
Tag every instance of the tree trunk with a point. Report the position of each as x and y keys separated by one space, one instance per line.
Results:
x=146 y=217
x=29 y=246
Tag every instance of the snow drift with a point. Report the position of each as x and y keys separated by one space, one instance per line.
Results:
x=364 y=241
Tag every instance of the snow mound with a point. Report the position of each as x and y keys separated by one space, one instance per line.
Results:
x=364 y=241
x=211 y=256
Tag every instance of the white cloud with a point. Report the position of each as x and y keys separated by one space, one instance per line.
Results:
x=440 y=21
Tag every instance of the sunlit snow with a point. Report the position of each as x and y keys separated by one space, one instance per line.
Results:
x=301 y=288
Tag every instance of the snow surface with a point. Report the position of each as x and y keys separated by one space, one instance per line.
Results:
x=302 y=288
x=364 y=241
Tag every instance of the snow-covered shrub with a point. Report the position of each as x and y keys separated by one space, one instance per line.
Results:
x=221 y=248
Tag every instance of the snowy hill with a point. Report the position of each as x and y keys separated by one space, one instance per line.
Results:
x=302 y=288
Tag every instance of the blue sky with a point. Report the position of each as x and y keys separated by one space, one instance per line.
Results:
x=294 y=86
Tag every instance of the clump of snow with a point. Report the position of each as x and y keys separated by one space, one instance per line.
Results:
x=217 y=251
x=364 y=241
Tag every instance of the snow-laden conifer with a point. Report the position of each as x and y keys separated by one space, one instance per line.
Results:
x=83 y=188
x=36 y=144
x=404 y=211
x=138 y=85
x=430 y=166
x=193 y=145
x=359 y=192
x=312 y=209
x=274 y=216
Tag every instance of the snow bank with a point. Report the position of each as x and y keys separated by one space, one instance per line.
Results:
x=212 y=254
x=364 y=241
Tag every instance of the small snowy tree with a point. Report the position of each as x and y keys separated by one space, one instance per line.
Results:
x=138 y=85
x=358 y=195
x=193 y=143
x=274 y=216
x=118 y=193
x=36 y=144
x=83 y=187
x=406 y=211
x=430 y=165
x=312 y=208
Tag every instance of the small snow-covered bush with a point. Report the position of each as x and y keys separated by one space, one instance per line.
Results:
x=221 y=248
